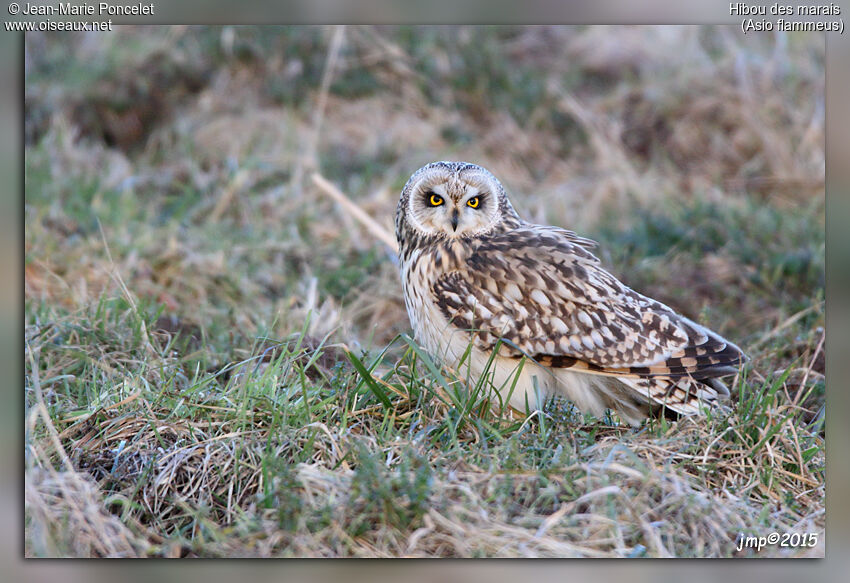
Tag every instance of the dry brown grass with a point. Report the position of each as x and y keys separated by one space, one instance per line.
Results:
x=687 y=491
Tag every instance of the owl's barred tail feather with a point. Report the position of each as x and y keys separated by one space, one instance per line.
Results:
x=683 y=384
x=634 y=398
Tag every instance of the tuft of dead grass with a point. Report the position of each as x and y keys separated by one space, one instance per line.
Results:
x=69 y=515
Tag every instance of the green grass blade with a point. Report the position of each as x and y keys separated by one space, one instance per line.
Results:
x=373 y=385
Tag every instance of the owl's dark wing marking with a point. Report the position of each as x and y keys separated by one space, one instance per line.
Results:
x=546 y=296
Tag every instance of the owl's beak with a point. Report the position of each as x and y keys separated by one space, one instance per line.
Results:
x=455 y=219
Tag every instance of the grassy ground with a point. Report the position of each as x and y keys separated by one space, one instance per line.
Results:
x=217 y=355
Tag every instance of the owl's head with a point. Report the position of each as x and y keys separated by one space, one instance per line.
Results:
x=452 y=199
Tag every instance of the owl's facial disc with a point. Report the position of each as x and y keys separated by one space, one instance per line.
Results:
x=454 y=207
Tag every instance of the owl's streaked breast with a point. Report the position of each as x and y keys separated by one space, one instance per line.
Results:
x=420 y=269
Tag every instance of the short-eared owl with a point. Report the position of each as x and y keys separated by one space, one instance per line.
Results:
x=477 y=277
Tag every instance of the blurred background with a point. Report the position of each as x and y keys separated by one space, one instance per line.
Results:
x=693 y=154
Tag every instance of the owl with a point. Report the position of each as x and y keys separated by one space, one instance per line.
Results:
x=532 y=309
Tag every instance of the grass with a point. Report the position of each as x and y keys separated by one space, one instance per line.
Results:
x=217 y=357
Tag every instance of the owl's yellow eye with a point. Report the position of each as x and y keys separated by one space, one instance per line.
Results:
x=473 y=202
x=436 y=199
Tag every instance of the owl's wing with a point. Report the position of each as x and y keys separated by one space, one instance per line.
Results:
x=544 y=295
